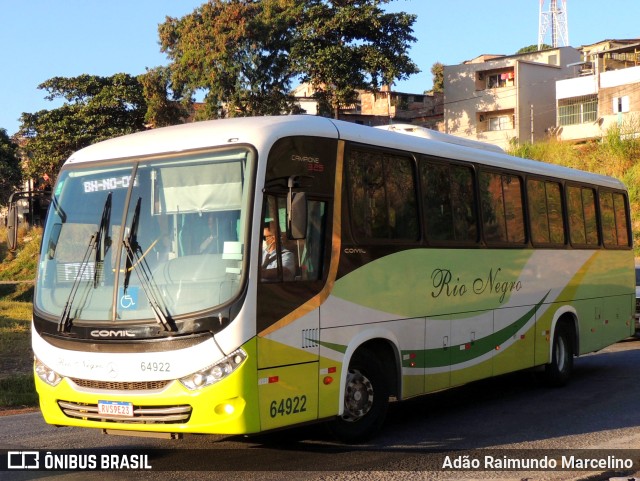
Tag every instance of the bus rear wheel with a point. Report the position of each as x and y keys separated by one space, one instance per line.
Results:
x=366 y=398
x=558 y=371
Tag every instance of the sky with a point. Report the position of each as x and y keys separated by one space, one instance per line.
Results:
x=42 y=39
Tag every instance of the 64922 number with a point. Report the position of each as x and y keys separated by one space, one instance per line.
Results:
x=288 y=406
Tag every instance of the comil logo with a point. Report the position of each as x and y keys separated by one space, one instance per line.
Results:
x=23 y=460
x=112 y=333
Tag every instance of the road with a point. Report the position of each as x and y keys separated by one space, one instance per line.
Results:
x=599 y=412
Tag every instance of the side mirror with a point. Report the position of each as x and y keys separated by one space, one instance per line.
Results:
x=12 y=227
x=296 y=215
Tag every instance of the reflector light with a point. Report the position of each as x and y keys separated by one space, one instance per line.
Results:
x=327 y=380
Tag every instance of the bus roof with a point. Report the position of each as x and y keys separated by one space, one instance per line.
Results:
x=261 y=132
x=410 y=129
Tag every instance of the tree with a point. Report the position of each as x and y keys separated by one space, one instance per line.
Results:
x=10 y=173
x=162 y=110
x=237 y=52
x=245 y=54
x=533 y=48
x=96 y=108
x=342 y=46
x=437 y=70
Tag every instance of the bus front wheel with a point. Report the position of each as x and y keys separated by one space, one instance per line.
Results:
x=559 y=369
x=366 y=398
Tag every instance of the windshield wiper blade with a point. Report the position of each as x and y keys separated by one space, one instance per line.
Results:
x=98 y=241
x=136 y=260
x=131 y=244
x=64 y=323
x=103 y=241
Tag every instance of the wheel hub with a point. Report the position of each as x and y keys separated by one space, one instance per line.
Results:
x=358 y=396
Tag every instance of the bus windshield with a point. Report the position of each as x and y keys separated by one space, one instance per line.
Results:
x=151 y=239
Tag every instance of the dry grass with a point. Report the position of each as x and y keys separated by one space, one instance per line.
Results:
x=616 y=155
x=16 y=358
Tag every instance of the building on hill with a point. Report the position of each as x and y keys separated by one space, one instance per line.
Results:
x=383 y=107
x=500 y=99
x=604 y=92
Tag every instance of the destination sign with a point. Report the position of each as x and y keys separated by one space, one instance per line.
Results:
x=107 y=184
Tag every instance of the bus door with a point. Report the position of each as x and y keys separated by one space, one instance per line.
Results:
x=295 y=246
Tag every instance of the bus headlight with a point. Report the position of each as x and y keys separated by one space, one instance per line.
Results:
x=47 y=374
x=215 y=373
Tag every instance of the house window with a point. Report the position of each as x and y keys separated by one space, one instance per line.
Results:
x=499 y=80
x=578 y=110
x=501 y=122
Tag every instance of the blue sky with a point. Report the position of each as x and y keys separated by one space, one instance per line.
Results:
x=42 y=39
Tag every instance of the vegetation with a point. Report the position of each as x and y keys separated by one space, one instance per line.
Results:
x=96 y=108
x=341 y=47
x=617 y=154
x=437 y=70
x=16 y=358
x=10 y=173
x=245 y=55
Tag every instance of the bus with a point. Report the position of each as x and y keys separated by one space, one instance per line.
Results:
x=242 y=275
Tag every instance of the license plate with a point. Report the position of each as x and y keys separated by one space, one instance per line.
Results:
x=116 y=408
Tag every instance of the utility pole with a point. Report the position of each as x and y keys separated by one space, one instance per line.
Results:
x=531 y=123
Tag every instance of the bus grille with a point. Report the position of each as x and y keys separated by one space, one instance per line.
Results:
x=121 y=386
x=141 y=414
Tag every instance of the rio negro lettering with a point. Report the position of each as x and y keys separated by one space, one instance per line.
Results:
x=445 y=284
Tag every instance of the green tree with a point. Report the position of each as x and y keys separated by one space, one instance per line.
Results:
x=237 y=53
x=342 y=46
x=163 y=108
x=437 y=70
x=533 y=48
x=95 y=109
x=10 y=173
x=244 y=55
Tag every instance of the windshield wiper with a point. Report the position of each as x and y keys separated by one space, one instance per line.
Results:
x=136 y=260
x=131 y=244
x=64 y=324
x=98 y=241
x=103 y=241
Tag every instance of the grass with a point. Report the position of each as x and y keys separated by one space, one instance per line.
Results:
x=616 y=155
x=16 y=357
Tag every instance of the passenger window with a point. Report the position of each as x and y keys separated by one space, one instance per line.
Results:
x=449 y=202
x=502 y=212
x=382 y=196
x=545 y=211
x=614 y=219
x=583 y=226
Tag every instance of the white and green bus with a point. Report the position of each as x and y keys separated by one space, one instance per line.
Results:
x=397 y=266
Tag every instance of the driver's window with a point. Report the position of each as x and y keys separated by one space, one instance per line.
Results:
x=284 y=259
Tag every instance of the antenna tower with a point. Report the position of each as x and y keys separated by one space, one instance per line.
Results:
x=554 y=18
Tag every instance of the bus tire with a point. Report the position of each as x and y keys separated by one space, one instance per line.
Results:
x=366 y=399
x=558 y=371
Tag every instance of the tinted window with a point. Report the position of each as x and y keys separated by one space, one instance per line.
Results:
x=614 y=219
x=502 y=214
x=545 y=212
x=449 y=202
x=382 y=196
x=583 y=227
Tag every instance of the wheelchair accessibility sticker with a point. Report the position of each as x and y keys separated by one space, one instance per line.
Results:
x=128 y=301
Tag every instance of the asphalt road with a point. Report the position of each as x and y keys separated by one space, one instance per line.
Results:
x=513 y=418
